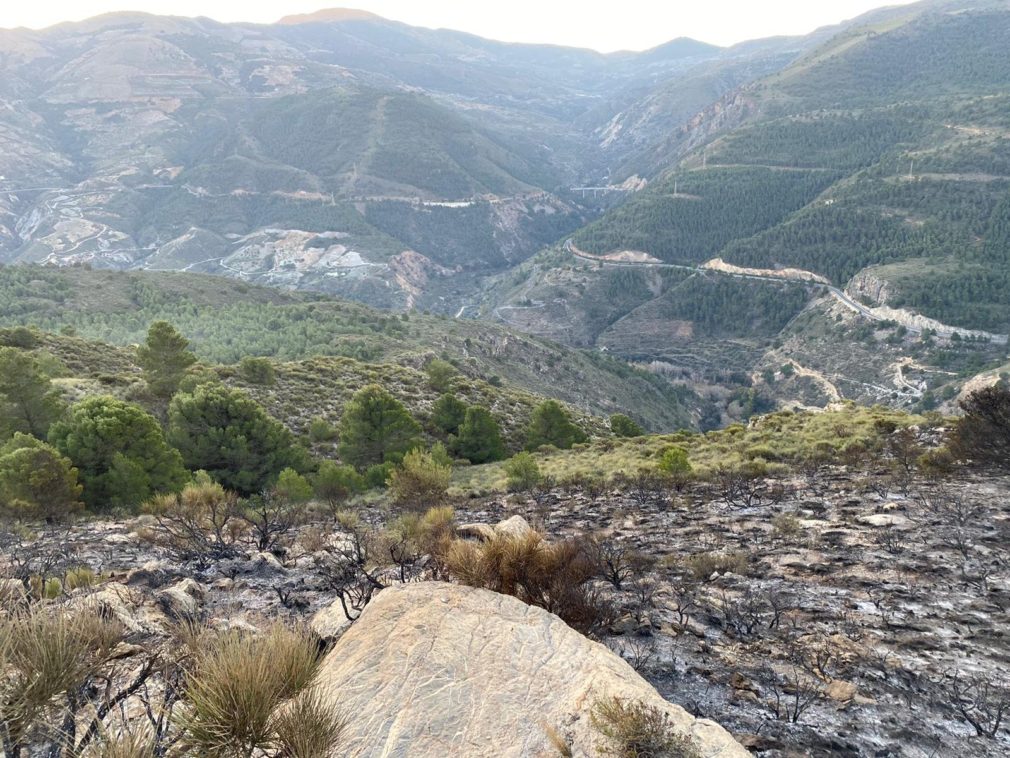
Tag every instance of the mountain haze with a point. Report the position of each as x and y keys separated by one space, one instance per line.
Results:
x=876 y=161
x=336 y=150
x=408 y=167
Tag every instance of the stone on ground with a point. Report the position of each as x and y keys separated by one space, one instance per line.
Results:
x=437 y=670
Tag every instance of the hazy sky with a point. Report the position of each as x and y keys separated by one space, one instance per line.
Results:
x=626 y=24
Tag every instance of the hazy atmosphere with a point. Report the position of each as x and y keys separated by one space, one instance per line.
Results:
x=630 y=25
x=371 y=387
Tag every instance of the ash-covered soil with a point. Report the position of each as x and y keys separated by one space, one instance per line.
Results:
x=840 y=613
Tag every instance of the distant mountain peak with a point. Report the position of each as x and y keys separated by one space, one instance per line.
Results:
x=681 y=47
x=330 y=16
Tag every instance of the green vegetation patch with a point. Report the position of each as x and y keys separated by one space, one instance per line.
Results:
x=227 y=321
x=780 y=440
x=710 y=208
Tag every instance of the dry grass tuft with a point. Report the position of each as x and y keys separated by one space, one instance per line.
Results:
x=44 y=655
x=237 y=684
x=307 y=728
x=554 y=576
x=558 y=741
x=636 y=730
x=126 y=744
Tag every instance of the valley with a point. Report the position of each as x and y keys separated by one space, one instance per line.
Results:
x=294 y=156
x=370 y=389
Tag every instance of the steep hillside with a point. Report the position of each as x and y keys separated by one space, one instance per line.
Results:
x=337 y=152
x=885 y=144
x=300 y=392
x=876 y=162
x=227 y=321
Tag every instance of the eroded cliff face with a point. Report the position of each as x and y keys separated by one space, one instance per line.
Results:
x=865 y=285
x=728 y=112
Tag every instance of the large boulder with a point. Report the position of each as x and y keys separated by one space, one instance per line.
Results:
x=433 y=669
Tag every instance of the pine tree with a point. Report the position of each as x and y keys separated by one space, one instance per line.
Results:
x=226 y=433
x=28 y=402
x=376 y=428
x=120 y=452
x=982 y=434
x=552 y=425
x=164 y=357
x=479 y=439
x=448 y=414
x=36 y=481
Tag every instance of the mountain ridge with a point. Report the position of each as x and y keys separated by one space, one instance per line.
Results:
x=329 y=16
x=417 y=168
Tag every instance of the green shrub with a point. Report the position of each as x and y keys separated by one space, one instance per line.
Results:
x=420 y=481
x=551 y=424
x=20 y=337
x=320 y=430
x=938 y=463
x=257 y=371
x=622 y=426
x=674 y=460
x=292 y=487
x=522 y=472
x=440 y=455
x=335 y=483
x=378 y=475
x=441 y=375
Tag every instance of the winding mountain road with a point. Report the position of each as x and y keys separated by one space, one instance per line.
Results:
x=942 y=330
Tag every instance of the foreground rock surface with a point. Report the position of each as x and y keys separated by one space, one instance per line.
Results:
x=434 y=669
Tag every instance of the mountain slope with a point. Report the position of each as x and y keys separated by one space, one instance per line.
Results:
x=228 y=320
x=885 y=144
x=876 y=161
x=335 y=151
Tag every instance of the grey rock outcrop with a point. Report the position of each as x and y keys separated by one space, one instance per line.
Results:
x=182 y=601
x=516 y=526
x=434 y=669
